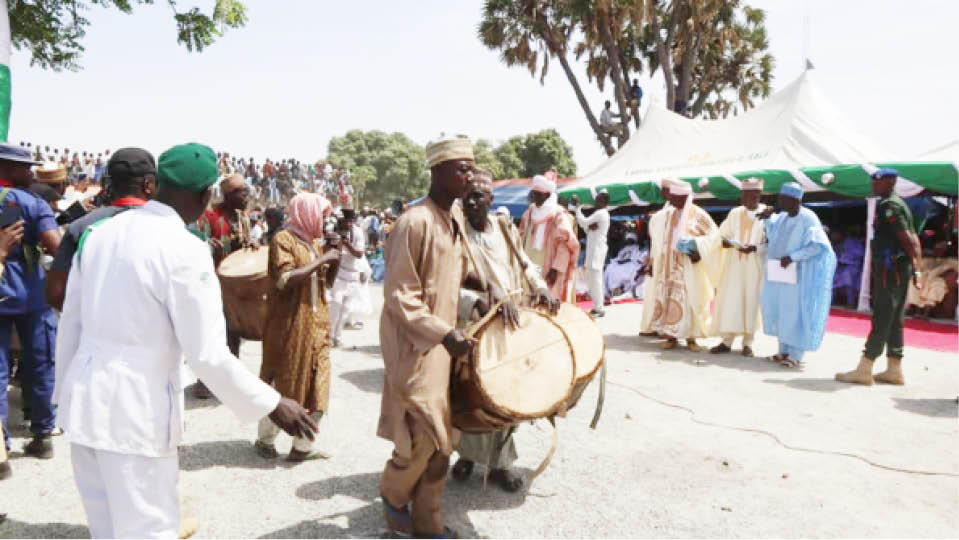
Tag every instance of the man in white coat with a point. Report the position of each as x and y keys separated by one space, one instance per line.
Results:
x=142 y=296
x=740 y=271
x=597 y=227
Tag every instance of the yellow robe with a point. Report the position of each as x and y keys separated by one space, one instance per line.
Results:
x=740 y=276
x=681 y=298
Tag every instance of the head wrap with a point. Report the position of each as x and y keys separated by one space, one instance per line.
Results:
x=680 y=188
x=631 y=236
x=502 y=211
x=190 y=167
x=543 y=184
x=306 y=215
x=791 y=189
x=880 y=173
x=752 y=184
x=448 y=149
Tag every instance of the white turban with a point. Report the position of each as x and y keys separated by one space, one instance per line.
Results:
x=541 y=183
x=680 y=188
x=753 y=183
x=502 y=211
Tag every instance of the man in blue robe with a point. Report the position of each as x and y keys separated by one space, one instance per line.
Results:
x=796 y=312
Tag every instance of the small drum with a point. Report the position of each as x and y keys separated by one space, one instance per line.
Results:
x=245 y=284
x=513 y=375
x=589 y=346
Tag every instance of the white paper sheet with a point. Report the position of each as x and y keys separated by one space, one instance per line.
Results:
x=775 y=272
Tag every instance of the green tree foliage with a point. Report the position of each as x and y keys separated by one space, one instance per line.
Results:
x=383 y=166
x=712 y=53
x=526 y=156
x=52 y=30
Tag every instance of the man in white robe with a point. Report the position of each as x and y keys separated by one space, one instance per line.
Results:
x=686 y=260
x=657 y=234
x=142 y=295
x=740 y=272
x=350 y=297
x=596 y=227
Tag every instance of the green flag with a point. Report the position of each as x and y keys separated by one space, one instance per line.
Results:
x=4 y=71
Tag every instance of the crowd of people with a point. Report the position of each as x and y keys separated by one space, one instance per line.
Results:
x=113 y=386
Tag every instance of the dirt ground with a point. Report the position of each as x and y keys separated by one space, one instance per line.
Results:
x=689 y=445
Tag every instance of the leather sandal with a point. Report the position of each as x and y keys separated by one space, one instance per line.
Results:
x=462 y=470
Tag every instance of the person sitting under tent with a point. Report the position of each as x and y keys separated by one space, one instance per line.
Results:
x=936 y=295
x=624 y=274
x=850 y=252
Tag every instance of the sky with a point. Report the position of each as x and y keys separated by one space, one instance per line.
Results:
x=309 y=70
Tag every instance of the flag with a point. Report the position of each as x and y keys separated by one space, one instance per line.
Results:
x=5 y=46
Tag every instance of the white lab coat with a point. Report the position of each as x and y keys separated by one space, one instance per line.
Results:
x=596 y=246
x=142 y=296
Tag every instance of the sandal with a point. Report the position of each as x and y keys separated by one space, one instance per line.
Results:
x=297 y=456
x=507 y=480
x=790 y=363
x=722 y=348
x=776 y=358
x=748 y=351
x=462 y=470
x=447 y=533
x=398 y=520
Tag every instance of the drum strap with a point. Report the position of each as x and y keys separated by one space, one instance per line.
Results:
x=514 y=251
x=602 y=395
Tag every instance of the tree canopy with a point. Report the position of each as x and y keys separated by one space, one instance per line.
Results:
x=53 y=30
x=712 y=53
x=388 y=166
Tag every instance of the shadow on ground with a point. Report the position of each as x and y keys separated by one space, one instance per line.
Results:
x=936 y=408
x=367 y=380
x=370 y=350
x=11 y=528
x=191 y=403
x=367 y=521
x=236 y=454
x=653 y=346
x=814 y=385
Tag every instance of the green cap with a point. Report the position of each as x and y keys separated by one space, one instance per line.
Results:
x=191 y=167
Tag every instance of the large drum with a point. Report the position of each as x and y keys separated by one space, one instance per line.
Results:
x=513 y=375
x=245 y=284
x=589 y=346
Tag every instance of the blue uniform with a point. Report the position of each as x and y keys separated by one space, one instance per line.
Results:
x=796 y=314
x=22 y=306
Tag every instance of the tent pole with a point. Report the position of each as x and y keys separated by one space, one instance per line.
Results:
x=864 y=284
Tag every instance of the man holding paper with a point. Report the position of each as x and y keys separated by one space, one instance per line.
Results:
x=740 y=271
x=797 y=289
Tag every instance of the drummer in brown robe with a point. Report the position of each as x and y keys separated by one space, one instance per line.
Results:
x=497 y=248
x=425 y=266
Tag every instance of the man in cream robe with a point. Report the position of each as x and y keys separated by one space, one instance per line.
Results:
x=740 y=272
x=494 y=243
x=133 y=311
x=686 y=259
x=425 y=266
x=549 y=239
x=657 y=234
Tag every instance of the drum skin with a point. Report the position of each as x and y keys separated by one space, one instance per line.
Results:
x=245 y=283
x=513 y=375
x=588 y=344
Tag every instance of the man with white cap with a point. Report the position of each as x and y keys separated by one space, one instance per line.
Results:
x=657 y=233
x=685 y=256
x=549 y=239
x=597 y=227
x=797 y=291
x=740 y=271
x=425 y=267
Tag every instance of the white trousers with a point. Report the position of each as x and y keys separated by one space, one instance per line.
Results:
x=267 y=432
x=126 y=495
x=594 y=280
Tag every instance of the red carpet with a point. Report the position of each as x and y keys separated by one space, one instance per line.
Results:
x=920 y=333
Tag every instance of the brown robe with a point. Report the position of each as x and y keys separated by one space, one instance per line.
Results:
x=425 y=262
x=296 y=338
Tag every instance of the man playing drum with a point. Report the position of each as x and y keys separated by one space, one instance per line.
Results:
x=425 y=268
x=494 y=243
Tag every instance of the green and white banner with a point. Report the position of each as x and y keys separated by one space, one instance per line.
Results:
x=5 y=46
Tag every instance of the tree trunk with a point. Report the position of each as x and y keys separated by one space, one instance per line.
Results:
x=615 y=68
x=686 y=69
x=593 y=123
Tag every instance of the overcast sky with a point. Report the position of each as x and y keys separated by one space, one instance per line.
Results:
x=297 y=75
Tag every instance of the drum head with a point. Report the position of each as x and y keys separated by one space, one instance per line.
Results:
x=525 y=373
x=584 y=334
x=245 y=263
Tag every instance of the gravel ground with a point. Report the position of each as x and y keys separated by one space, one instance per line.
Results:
x=689 y=445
